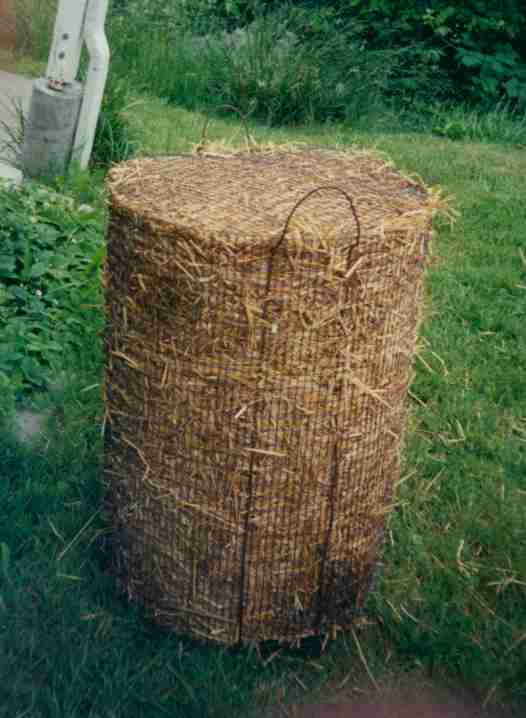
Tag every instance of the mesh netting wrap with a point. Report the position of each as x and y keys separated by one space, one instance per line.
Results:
x=262 y=312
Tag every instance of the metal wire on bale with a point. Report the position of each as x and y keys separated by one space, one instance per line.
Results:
x=262 y=313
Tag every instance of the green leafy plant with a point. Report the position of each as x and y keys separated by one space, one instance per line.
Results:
x=452 y=129
x=51 y=250
x=478 y=43
x=496 y=74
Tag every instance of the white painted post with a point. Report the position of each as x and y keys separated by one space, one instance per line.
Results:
x=64 y=56
x=99 y=52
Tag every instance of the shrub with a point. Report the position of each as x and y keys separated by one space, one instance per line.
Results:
x=479 y=45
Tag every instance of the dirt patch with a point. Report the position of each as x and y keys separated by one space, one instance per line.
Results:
x=7 y=25
x=409 y=701
x=29 y=425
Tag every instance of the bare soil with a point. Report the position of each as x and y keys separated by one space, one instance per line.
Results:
x=7 y=25
x=408 y=701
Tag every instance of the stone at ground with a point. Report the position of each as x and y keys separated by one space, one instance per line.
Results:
x=29 y=425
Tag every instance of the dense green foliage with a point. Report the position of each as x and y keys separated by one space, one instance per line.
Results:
x=478 y=43
x=477 y=46
x=262 y=70
x=51 y=250
x=267 y=68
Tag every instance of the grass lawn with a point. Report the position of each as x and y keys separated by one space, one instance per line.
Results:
x=450 y=603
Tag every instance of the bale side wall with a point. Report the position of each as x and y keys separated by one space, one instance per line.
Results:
x=254 y=430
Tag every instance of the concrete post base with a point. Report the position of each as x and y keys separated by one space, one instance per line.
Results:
x=50 y=128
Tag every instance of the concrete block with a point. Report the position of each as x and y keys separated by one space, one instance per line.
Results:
x=50 y=128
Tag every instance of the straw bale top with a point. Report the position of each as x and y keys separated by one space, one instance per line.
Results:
x=245 y=197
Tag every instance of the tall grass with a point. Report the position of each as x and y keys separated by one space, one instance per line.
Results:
x=278 y=71
x=115 y=140
x=502 y=124
x=268 y=67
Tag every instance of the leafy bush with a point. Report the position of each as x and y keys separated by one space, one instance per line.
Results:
x=499 y=73
x=478 y=44
x=51 y=251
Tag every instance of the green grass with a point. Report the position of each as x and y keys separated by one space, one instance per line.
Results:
x=450 y=604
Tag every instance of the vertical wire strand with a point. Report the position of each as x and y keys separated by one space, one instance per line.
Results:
x=263 y=349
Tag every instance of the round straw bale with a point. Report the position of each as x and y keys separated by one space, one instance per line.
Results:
x=256 y=382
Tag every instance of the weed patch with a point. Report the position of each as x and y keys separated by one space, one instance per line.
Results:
x=50 y=257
